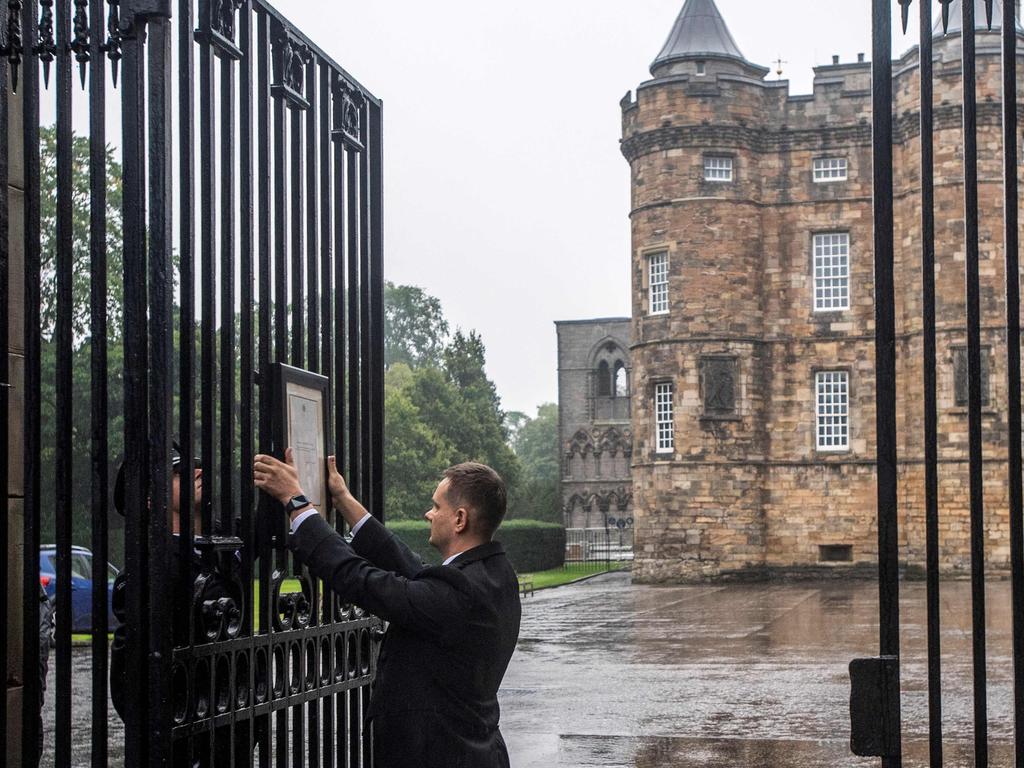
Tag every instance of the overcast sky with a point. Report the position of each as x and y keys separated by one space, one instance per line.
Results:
x=506 y=195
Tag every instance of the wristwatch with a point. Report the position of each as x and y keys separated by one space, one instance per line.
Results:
x=295 y=503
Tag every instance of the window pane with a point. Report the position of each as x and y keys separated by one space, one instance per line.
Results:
x=833 y=414
x=718 y=168
x=664 y=434
x=81 y=566
x=659 y=282
x=832 y=271
x=830 y=169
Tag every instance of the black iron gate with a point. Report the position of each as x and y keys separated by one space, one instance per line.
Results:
x=875 y=700
x=252 y=234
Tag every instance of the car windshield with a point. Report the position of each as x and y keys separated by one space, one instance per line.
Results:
x=81 y=566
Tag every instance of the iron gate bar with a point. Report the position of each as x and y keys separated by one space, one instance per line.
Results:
x=33 y=438
x=354 y=405
x=295 y=136
x=1013 y=372
x=364 y=321
x=99 y=404
x=136 y=433
x=312 y=223
x=62 y=340
x=247 y=438
x=973 y=298
x=161 y=384
x=228 y=465
x=885 y=344
x=340 y=315
x=375 y=150
x=186 y=315
x=931 y=474
x=5 y=373
x=208 y=295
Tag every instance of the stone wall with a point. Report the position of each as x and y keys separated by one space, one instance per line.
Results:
x=594 y=430
x=753 y=492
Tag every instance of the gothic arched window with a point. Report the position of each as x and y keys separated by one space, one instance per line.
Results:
x=621 y=380
x=604 y=380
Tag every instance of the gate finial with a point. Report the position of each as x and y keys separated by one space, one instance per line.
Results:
x=905 y=8
x=945 y=15
x=13 y=47
x=46 y=48
x=80 y=43
x=113 y=44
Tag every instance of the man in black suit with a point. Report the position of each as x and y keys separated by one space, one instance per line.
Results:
x=452 y=628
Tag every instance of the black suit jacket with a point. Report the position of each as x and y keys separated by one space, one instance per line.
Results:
x=452 y=630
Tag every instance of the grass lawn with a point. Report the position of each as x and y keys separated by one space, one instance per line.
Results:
x=556 y=577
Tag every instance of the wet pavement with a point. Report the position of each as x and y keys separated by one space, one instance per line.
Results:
x=613 y=674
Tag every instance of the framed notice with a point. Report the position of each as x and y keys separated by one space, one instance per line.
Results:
x=301 y=420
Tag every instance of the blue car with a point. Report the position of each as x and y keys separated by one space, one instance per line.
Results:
x=81 y=585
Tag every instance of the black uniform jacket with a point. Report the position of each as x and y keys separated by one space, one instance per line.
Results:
x=452 y=630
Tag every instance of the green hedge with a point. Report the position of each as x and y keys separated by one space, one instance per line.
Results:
x=531 y=545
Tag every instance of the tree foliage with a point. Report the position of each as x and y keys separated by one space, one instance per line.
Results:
x=81 y=270
x=535 y=442
x=440 y=408
x=415 y=327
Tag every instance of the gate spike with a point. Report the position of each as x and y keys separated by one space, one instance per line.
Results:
x=113 y=44
x=945 y=15
x=988 y=14
x=13 y=48
x=905 y=8
x=46 y=47
x=80 y=44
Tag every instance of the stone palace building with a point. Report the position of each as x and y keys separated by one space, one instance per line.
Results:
x=752 y=333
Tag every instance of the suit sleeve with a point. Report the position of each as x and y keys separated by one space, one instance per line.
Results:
x=384 y=549
x=435 y=605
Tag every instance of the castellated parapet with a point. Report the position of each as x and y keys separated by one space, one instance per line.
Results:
x=767 y=317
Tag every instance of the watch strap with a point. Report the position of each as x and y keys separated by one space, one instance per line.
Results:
x=295 y=503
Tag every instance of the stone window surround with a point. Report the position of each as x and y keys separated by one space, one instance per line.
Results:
x=709 y=157
x=850 y=241
x=645 y=260
x=656 y=384
x=827 y=169
x=815 y=370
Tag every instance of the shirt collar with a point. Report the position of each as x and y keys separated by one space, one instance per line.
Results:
x=449 y=560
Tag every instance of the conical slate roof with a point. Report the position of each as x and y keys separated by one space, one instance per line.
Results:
x=699 y=31
x=980 y=18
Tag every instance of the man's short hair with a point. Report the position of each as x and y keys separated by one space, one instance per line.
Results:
x=478 y=487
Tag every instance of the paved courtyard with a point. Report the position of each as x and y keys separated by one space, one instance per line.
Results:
x=612 y=674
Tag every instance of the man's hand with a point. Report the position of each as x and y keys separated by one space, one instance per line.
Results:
x=341 y=498
x=276 y=478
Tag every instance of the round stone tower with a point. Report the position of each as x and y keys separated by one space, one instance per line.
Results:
x=692 y=140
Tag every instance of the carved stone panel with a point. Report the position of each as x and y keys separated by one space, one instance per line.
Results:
x=718 y=385
x=960 y=376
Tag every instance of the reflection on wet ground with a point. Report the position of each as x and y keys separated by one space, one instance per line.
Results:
x=611 y=674
x=753 y=675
